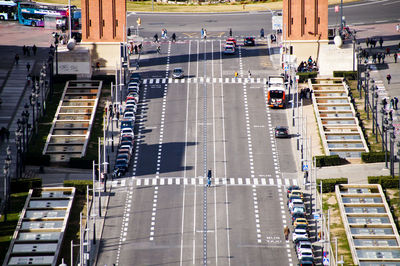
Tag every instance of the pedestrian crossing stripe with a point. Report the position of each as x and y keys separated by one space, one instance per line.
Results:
x=205 y=80
x=165 y=181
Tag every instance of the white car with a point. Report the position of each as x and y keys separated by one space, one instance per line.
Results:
x=129 y=115
x=229 y=49
x=295 y=201
x=299 y=233
x=303 y=245
x=305 y=253
x=127 y=131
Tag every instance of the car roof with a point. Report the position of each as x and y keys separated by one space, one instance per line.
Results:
x=281 y=127
x=178 y=68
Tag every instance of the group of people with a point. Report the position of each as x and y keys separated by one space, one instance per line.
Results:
x=135 y=49
x=26 y=50
x=307 y=66
x=371 y=42
x=393 y=103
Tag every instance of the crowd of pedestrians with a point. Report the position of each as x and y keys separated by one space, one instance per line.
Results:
x=307 y=66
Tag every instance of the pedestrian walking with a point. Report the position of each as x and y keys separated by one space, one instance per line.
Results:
x=286 y=232
x=236 y=74
x=395 y=57
x=156 y=37
x=249 y=75
x=34 y=49
x=391 y=103
x=7 y=132
x=16 y=59
x=367 y=42
x=202 y=33
x=398 y=27
x=262 y=33
x=380 y=42
x=396 y=101
x=383 y=57
x=173 y=37
x=28 y=51
x=384 y=103
x=28 y=67
x=379 y=57
x=388 y=77
x=209 y=176
x=205 y=34
x=387 y=50
x=230 y=32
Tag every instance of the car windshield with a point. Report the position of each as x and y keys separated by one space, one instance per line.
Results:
x=177 y=70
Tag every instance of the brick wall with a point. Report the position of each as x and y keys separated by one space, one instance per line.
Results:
x=103 y=20
x=305 y=19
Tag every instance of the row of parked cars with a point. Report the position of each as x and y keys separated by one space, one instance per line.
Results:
x=127 y=135
x=231 y=44
x=301 y=240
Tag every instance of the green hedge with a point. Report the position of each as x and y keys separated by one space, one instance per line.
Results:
x=384 y=181
x=304 y=76
x=328 y=185
x=80 y=163
x=328 y=160
x=25 y=184
x=80 y=185
x=36 y=158
x=349 y=75
x=373 y=157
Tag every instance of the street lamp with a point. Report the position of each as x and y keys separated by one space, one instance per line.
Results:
x=18 y=135
x=32 y=101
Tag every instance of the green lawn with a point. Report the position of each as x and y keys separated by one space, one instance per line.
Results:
x=17 y=202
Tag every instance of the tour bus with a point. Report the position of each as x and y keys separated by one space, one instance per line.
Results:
x=32 y=14
x=8 y=10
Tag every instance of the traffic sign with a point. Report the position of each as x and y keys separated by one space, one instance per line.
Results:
x=325 y=261
x=305 y=167
x=316 y=216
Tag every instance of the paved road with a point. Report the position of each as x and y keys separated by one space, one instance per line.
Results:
x=250 y=23
x=205 y=121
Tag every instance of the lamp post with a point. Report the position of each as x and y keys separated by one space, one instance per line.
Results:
x=32 y=101
x=392 y=138
x=18 y=143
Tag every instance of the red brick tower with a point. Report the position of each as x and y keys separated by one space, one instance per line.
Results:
x=305 y=19
x=103 y=20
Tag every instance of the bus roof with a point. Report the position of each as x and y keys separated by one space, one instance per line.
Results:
x=7 y=3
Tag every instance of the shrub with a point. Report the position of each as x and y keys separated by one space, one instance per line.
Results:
x=349 y=75
x=384 y=181
x=328 y=185
x=24 y=185
x=328 y=160
x=80 y=163
x=304 y=76
x=373 y=157
x=36 y=158
x=79 y=185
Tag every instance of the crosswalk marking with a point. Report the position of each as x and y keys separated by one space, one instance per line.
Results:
x=162 y=181
x=202 y=80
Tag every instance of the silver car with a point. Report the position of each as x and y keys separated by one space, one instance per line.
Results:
x=177 y=73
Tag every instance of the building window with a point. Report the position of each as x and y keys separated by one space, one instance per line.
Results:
x=90 y=23
x=305 y=21
x=291 y=21
x=319 y=20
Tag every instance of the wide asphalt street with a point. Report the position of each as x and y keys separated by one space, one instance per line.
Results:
x=208 y=120
x=249 y=23
x=161 y=213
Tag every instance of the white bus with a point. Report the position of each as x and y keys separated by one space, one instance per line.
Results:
x=8 y=10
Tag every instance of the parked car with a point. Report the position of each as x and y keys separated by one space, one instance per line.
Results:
x=295 y=201
x=177 y=73
x=302 y=226
x=303 y=245
x=126 y=156
x=297 y=193
x=299 y=233
x=281 y=132
x=127 y=131
x=127 y=138
x=297 y=215
x=300 y=221
x=305 y=253
x=306 y=261
x=298 y=209
x=127 y=123
x=228 y=43
x=292 y=198
x=290 y=188
x=249 y=41
x=129 y=115
x=137 y=80
x=127 y=146
x=122 y=165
